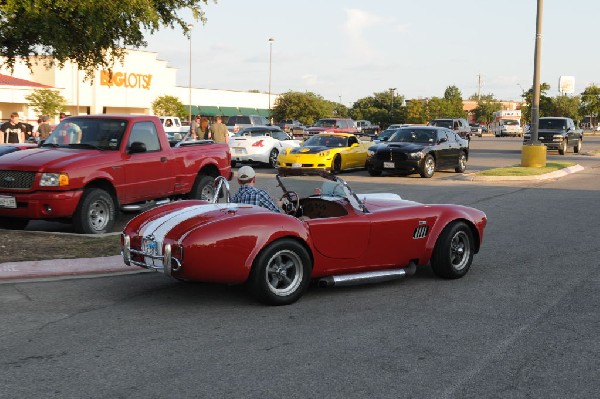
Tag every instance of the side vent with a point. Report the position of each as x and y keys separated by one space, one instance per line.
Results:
x=420 y=232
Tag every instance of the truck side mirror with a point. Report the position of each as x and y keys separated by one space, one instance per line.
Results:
x=137 y=147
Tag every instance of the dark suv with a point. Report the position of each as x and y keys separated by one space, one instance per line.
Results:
x=238 y=122
x=459 y=125
x=558 y=133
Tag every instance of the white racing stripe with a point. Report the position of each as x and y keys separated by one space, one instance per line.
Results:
x=161 y=226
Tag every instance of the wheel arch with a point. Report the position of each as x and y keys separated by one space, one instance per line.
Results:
x=105 y=185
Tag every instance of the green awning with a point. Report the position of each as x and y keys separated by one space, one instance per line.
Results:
x=248 y=111
x=229 y=111
x=208 y=110
x=263 y=112
x=195 y=109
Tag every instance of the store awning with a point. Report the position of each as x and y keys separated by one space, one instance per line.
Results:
x=208 y=110
x=263 y=112
x=195 y=109
x=229 y=111
x=248 y=111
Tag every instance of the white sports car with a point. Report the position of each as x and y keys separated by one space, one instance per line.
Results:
x=260 y=144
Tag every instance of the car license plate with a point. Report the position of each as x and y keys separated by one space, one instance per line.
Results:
x=149 y=247
x=389 y=165
x=7 y=201
x=239 y=150
x=296 y=165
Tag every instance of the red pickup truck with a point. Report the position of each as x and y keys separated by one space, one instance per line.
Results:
x=95 y=165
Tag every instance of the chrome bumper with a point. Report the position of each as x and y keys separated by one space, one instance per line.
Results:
x=164 y=262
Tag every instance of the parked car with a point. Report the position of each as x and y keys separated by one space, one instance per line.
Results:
x=328 y=234
x=331 y=125
x=476 y=129
x=328 y=151
x=174 y=128
x=260 y=144
x=385 y=135
x=459 y=125
x=419 y=149
x=558 y=133
x=238 y=122
x=93 y=166
x=287 y=125
x=366 y=128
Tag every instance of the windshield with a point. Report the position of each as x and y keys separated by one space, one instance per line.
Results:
x=447 y=123
x=552 y=124
x=405 y=135
x=329 y=141
x=386 y=133
x=511 y=122
x=103 y=134
x=325 y=123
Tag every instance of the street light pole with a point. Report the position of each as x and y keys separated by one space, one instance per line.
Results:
x=392 y=90
x=271 y=40
x=190 y=26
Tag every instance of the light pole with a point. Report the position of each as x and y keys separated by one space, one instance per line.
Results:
x=392 y=90
x=190 y=26
x=271 y=40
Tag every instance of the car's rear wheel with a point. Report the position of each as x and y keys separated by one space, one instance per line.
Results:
x=273 y=157
x=453 y=252
x=563 y=148
x=204 y=188
x=577 y=148
x=462 y=163
x=428 y=166
x=95 y=213
x=336 y=164
x=281 y=273
x=373 y=172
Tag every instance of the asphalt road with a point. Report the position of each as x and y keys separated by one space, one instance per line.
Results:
x=523 y=323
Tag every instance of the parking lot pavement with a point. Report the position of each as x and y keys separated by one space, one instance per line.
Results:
x=61 y=268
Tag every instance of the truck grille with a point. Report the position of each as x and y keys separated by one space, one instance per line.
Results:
x=16 y=180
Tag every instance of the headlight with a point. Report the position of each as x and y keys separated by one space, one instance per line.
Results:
x=415 y=155
x=370 y=153
x=54 y=179
x=558 y=136
x=324 y=153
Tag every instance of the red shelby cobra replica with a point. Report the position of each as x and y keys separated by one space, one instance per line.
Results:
x=327 y=233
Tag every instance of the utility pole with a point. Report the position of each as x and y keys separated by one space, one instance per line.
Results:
x=479 y=87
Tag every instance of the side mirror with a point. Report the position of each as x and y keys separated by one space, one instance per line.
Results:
x=137 y=147
x=386 y=138
x=442 y=140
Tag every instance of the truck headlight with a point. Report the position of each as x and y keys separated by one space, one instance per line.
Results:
x=558 y=136
x=54 y=180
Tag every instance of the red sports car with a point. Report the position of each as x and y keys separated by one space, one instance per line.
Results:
x=327 y=233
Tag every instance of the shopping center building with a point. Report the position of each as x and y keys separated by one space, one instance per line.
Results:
x=131 y=88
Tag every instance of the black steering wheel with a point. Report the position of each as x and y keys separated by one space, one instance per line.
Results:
x=290 y=202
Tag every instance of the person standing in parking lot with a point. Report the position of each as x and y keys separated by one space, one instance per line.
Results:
x=13 y=130
x=219 y=131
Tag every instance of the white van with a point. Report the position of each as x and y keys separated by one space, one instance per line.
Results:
x=506 y=127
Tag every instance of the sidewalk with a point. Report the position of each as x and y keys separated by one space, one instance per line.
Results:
x=54 y=268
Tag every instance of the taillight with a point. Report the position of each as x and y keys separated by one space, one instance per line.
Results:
x=259 y=143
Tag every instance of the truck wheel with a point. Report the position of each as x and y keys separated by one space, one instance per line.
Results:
x=577 y=148
x=13 y=223
x=273 y=157
x=563 y=148
x=281 y=273
x=95 y=213
x=204 y=188
x=428 y=166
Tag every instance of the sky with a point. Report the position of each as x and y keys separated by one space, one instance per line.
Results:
x=347 y=50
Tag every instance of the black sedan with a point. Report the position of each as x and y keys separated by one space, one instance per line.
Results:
x=419 y=149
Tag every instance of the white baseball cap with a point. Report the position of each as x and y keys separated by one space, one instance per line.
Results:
x=246 y=173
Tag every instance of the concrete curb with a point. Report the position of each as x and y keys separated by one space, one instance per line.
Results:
x=552 y=175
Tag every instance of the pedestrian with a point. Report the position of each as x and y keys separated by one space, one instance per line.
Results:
x=194 y=125
x=44 y=129
x=248 y=194
x=13 y=130
x=203 y=132
x=61 y=116
x=219 y=131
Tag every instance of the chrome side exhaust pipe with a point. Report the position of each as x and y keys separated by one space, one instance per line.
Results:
x=377 y=276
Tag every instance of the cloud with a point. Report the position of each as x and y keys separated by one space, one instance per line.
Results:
x=359 y=24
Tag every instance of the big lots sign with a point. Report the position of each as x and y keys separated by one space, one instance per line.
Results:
x=124 y=79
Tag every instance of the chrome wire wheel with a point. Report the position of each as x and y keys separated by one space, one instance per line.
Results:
x=460 y=250
x=284 y=272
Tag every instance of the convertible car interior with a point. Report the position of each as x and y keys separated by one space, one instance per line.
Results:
x=318 y=208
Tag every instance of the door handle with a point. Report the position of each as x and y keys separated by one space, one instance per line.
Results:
x=163 y=159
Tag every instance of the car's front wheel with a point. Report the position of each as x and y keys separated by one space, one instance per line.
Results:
x=453 y=251
x=281 y=273
x=336 y=164
x=428 y=167
x=577 y=147
x=563 y=148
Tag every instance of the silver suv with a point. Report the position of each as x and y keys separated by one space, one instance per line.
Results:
x=238 y=122
x=459 y=125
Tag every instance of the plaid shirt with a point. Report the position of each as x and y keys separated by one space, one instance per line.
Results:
x=255 y=196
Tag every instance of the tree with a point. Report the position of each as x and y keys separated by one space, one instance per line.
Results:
x=92 y=34
x=590 y=103
x=454 y=102
x=436 y=108
x=47 y=102
x=416 y=112
x=568 y=106
x=546 y=103
x=382 y=108
x=305 y=107
x=484 y=112
x=169 y=105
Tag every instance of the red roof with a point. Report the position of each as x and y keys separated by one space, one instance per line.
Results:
x=6 y=80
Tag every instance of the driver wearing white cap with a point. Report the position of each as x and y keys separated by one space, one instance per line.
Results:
x=248 y=194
